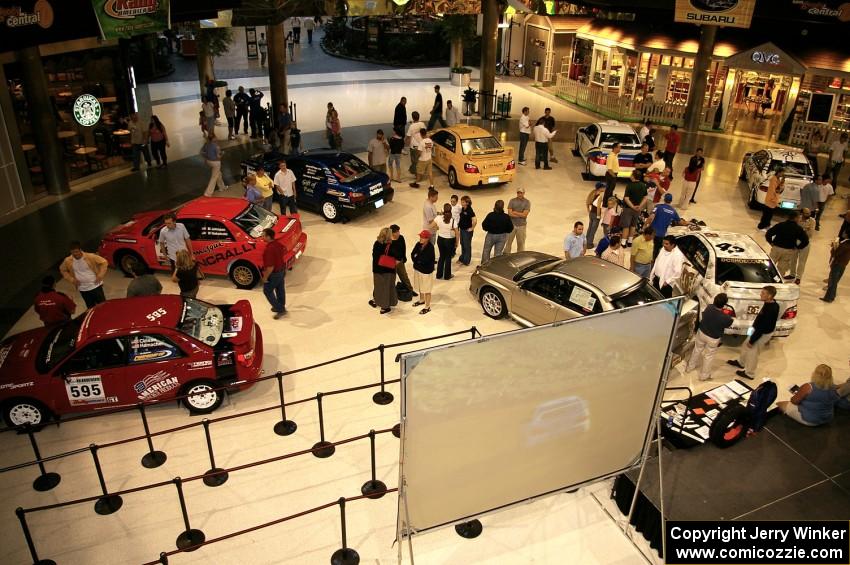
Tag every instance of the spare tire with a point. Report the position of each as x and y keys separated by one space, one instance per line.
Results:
x=730 y=426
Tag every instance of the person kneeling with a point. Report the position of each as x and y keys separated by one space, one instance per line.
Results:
x=813 y=403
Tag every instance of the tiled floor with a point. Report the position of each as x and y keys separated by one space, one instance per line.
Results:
x=329 y=317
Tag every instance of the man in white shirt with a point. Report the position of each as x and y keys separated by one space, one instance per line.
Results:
x=413 y=138
x=524 y=134
x=836 y=156
x=668 y=266
x=541 y=145
x=423 y=164
x=284 y=189
x=644 y=130
x=825 y=190
x=263 y=47
x=309 y=25
x=173 y=238
x=452 y=115
x=85 y=271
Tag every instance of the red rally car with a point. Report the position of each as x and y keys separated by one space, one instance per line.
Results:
x=226 y=234
x=121 y=352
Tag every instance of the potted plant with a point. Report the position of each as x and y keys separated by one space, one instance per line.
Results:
x=461 y=76
x=469 y=97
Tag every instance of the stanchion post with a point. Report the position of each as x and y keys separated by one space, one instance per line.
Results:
x=108 y=503
x=382 y=396
x=469 y=530
x=163 y=558
x=345 y=555
x=373 y=488
x=191 y=538
x=153 y=458
x=285 y=427
x=19 y=512
x=215 y=476
x=45 y=481
x=397 y=430
x=322 y=449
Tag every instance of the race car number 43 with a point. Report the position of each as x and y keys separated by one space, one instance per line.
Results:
x=85 y=390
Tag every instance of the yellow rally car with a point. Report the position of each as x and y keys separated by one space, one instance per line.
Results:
x=471 y=156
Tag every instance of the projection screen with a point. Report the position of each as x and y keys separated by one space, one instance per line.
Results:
x=505 y=418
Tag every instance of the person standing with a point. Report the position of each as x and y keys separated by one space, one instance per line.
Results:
x=498 y=225
x=615 y=253
x=668 y=267
x=456 y=208
x=447 y=239
x=699 y=163
x=671 y=145
x=53 y=307
x=159 y=141
x=414 y=138
x=844 y=230
x=649 y=139
x=594 y=204
x=690 y=176
x=265 y=184
x=518 y=210
x=394 y=160
x=211 y=153
x=712 y=323
x=400 y=117
x=812 y=148
x=786 y=239
x=423 y=161
x=252 y=193
x=378 y=150
x=284 y=187
x=541 y=144
x=296 y=29
x=836 y=157
x=839 y=256
x=383 y=275
x=284 y=128
x=230 y=114
x=263 y=46
x=86 y=272
x=524 y=134
x=437 y=110
x=642 y=250
x=635 y=200
x=423 y=258
x=143 y=283
x=242 y=101
x=139 y=141
x=612 y=170
x=825 y=191
x=335 y=129
x=549 y=122
x=762 y=331
x=575 y=244
x=810 y=194
x=452 y=114
x=644 y=130
x=466 y=225
x=429 y=213
x=258 y=114
x=309 y=26
x=187 y=274
x=643 y=160
x=208 y=106
x=172 y=238
x=798 y=265
x=775 y=186
x=398 y=249
x=290 y=45
x=274 y=273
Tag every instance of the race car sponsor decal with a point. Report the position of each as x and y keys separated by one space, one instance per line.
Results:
x=13 y=386
x=235 y=323
x=200 y=364
x=729 y=247
x=289 y=225
x=85 y=390
x=155 y=385
x=4 y=352
x=231 y=253
x=209 y=248
x=150 y=348
x=25 y=349
x=373 y=190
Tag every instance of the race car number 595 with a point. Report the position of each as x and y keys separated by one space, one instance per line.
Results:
x=85 y=390
x=158 y=313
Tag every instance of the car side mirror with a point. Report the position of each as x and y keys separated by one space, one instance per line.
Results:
x=581 y=130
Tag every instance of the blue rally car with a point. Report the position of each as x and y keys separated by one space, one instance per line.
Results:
x=338 y=185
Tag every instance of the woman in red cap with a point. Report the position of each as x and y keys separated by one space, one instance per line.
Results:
x=423 y=257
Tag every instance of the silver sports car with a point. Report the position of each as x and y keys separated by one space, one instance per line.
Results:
x=536 y=288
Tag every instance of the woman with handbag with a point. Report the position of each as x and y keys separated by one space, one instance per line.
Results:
x=383 y=273
x=423 y=258
x=447 y=240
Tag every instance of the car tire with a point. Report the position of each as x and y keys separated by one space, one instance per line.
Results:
x=492 y=303
x=452 y=174
x=208 y=399
x=244 y=275
x=126 y=260
x=730 y=426
x=330 y=211
x=22 y=411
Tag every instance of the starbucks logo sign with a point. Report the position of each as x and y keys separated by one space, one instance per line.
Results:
x=86 y=110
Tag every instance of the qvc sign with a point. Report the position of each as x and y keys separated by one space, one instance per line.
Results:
x=765 y=58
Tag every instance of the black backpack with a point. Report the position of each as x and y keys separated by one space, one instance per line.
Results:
x=760 y=400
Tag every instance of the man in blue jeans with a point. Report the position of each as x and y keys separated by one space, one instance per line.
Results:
x=274 y=270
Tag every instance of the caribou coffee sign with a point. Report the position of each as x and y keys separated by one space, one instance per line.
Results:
x=727 y=13
x=17 y=16
x=126 y=18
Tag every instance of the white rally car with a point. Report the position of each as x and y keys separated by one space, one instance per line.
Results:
x=733 y=263
x=758 y=167
x=594 y=143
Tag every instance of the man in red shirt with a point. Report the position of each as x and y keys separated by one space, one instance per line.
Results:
x=671 y=146
x=274 y=270
x=51 y=306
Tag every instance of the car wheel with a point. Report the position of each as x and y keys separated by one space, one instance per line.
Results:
x=244 y=275
x=453 y=178
x=493 y=304
x=204 y=398
x=128 y=261
x=330 y=211
x=25 y=411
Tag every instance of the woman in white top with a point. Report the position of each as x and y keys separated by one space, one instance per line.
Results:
x=446 y=241
x=615 y=253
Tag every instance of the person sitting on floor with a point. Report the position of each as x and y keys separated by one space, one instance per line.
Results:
x=813 y=403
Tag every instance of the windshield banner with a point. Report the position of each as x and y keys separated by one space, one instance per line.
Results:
x=121 y=19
